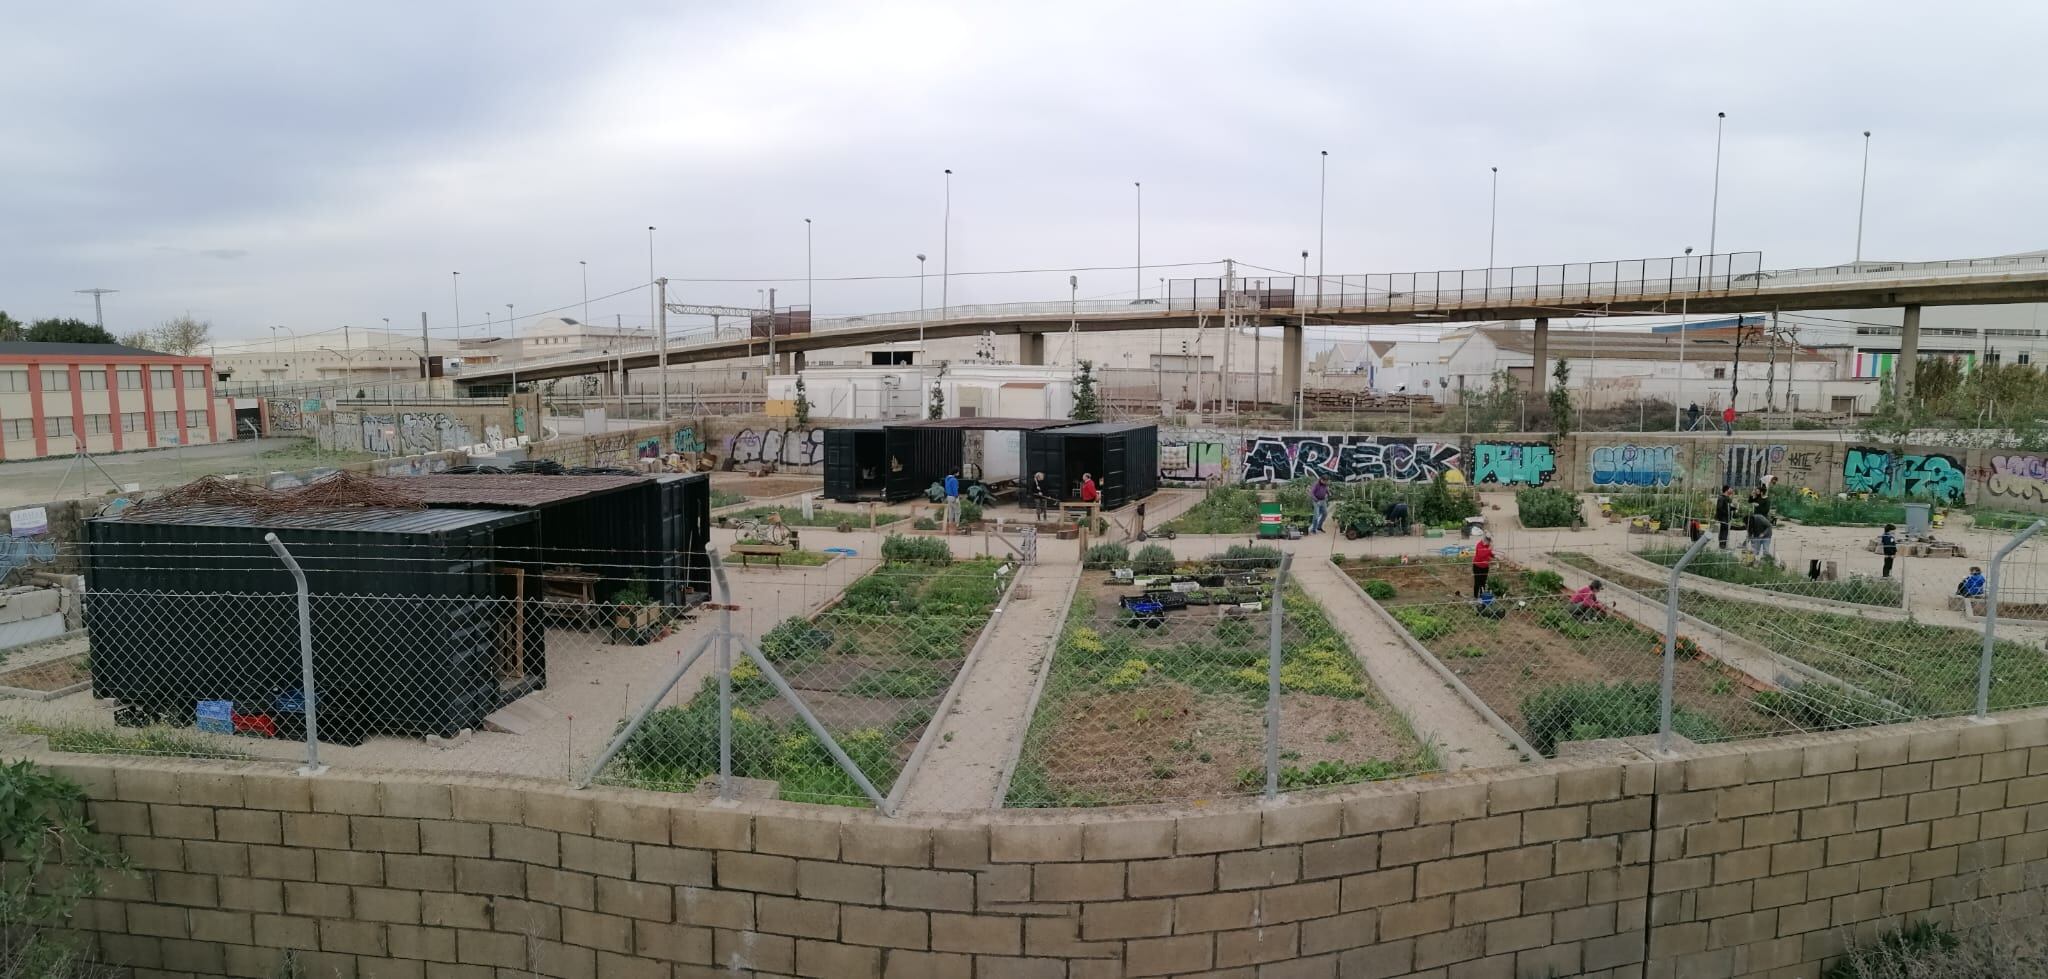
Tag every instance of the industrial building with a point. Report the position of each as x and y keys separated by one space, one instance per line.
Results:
x=60 y=398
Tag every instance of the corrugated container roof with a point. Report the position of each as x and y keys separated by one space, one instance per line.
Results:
x=990 y=424
x=515 y=491
x=379 y=520
x=1105 y=428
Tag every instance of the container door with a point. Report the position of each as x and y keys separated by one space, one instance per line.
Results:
x=1043 y=454
x=841 y=469
x=1116 y=489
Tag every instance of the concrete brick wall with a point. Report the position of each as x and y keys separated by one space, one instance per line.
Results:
x=1742 y=860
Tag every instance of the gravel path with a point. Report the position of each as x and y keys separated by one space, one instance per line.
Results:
x=1416 y=690
x=978 y=736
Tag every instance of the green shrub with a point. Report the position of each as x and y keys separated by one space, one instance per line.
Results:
x=970 y=512
x=1438 y=503
x=922 y=550
x=1103 y=556
x=793 y=638
x=1420 y=624
x=1559 y=618
x=924 y=523
x=1240 y=557
x=1918 y=949
x=1152 y=559
x=1672 y=507
x=898 y=684
x=1236 y=632
x=1380 y=589
x=1826 y=707
x=1544 y=582
x=1546 y=507
x=1587 y=711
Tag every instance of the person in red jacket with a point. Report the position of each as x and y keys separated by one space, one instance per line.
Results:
x=1088 y=492
x=1482 y=562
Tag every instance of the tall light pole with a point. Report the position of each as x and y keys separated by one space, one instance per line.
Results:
x=945 y=258
x=1679 y=393
x=1322 y=210
x=456 y=279
x=920 y=307
x=97 y=319
x=1492 y=223
x=808 y=306
x=1074 y=318
x=512 y=330
x=1139 y=187
x=585 y=267
x=1862 y=195
x=1714 y=219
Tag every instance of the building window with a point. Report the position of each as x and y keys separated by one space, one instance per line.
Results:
x=13 y=382
x=166 y=421
x=131 y=421
x=195 y=419
x=58 y=380
x=1720 y=373
x=56 y=426
x=130 y=379
x=20 y=430
x=92 y=379
x=2026 y=358
x=160 y=378
x=99 y=424
x=195 y=377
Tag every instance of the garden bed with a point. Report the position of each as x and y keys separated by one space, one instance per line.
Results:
x=871 y=667
x=1768 y=575
x=1551 y=677
x=49 y=676
x=1133 y=714
x=1918 y=669
x=820 y=517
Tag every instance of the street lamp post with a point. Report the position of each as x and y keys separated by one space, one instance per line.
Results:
x=1714 y=219
x=1139 y=187
x=1074 y=318
x=1492 y=223
x=920 y=307
x=1862 y=194
x=1683 y=310
x=945 y=258
x=456 y=278
x=1322 y=210
x=512 y=330
x=809 y=306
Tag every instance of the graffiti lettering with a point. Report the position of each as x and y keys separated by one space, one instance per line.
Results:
x=2020 y=477
x=1801 y=465
x=423 y=432
x=284 y=414
x=1191 y=461
x=1746 y=464
x=1350 y=459
x=778 y=446
x=686 y=440
x=1513 y=463
x=1877 y=471
x=1635 y=465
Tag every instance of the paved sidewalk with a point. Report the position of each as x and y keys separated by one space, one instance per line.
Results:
x=978 y=736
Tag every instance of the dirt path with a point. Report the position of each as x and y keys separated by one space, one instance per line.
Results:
x=977 y=736
x=1414 y=689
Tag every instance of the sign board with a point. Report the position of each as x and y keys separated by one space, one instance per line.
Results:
x=28 y=522
x=310 y=404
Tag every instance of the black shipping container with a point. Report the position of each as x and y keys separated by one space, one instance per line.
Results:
x=919 y=457
x=1123 y=458
x=856 y=463
x=413 y=626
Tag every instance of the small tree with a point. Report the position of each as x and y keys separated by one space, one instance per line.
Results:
x=1086 y=408
x=1561 y=399
x=182 y=335
x=937 y=408
x=139 y=338
x=803 y=403
x=11 y=329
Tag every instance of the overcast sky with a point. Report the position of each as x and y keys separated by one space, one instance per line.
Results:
x=315 y=165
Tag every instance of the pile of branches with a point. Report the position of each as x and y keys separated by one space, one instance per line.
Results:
x=342 y=489
x=207 y=491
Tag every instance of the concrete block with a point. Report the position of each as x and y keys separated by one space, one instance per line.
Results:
x=890 y=928
x=715 y=908
x=885 y=844
x=1286 y=824
x=1378 y=889
x=1487 y=904
x=385 y=835
x=1127 y=919
x=1449 y=876
x=1256 y=946
x=1127 y=839
x=639 y=900
x=737 y=950
x=1034 y=842
x=1379 y=813
x=1336 y=933
x=1213 y=912
x=1217 y=832
x=386 y=905
x=1415 y=918
x=1555 y=893
x=1298 y=902
x=1742 y=865
x=795 y=917
x=491 y=949
x=242 y=826
x=1588 y=785
x=1716 y=771
x=455 y=910
x=347 y=795
x=930 y=890
x=1882 y=751
x=685 y=944
x=1172 y=877
x=526 y=845
x=1739 y=801
x=960 y=847
x=1428 y=842
x=1510 y=866
x=815 y=838
x=1546 y=825
x=280 y=863
x=565 y=888
x=149 y=785
x=410 y=799
x=1258 y=868
x=487 y=804
x=500 y=877
x=712 y=829
x=455 y=839
x=1457 y=945
x=1168 y=956
x=1340 y=857
x=348 y=867
x=319 y=830
x=830 y=960
x=1446 y=803
x=602 y=858
x=1492 y=833
x=1509 y=795
x=904 y=964
x=756 y=872
x=1077 y=882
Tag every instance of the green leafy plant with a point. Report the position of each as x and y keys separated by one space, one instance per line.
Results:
x=1588 y=711
x=919 y=550
x=1915 y=950
x=1543 y=506
x=1239 y=557
x=803 y=402
x=1086 y=408
x=1543 y=582
x=924 y=523
x=1561 y=398
x=970 y=511
x=1152 y=559
x=1380 y=589
x=1420 y=624
x=794 y=638
x=899 y=684
x=55 y=862
x=1105 y=556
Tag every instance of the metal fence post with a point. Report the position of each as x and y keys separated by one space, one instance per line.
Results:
x=1273 y=628
x=307 y=694
x=1991 y=615
x=724 y=679
x=1670 y=677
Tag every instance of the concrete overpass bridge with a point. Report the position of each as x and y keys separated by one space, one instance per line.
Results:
x=1736 y=282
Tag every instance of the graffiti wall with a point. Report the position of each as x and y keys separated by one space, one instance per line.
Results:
x=1190 y=461
x=1933 y=475
x=1747 y=463
x=283 y=414
x=1513 y=463
x=1629 y=464
x=2021 y=479
x=781 y=447
x=1350 y=458
x=423 y=432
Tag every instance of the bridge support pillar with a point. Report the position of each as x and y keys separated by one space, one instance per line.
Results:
x=1539 y=352
x=1909 y=354
x=1031 y=348
x=1290 y=362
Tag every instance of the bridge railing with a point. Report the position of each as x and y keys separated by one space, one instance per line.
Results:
x=1519 y=285
x=1885 y=270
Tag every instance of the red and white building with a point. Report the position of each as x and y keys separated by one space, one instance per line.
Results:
x=58 y=398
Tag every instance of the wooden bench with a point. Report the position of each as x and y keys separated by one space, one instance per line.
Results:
x=746 y=551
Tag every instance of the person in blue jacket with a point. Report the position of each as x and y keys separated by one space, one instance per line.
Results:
x=1972 y=586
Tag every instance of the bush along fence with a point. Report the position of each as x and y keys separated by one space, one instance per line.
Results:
x=1695 y=643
